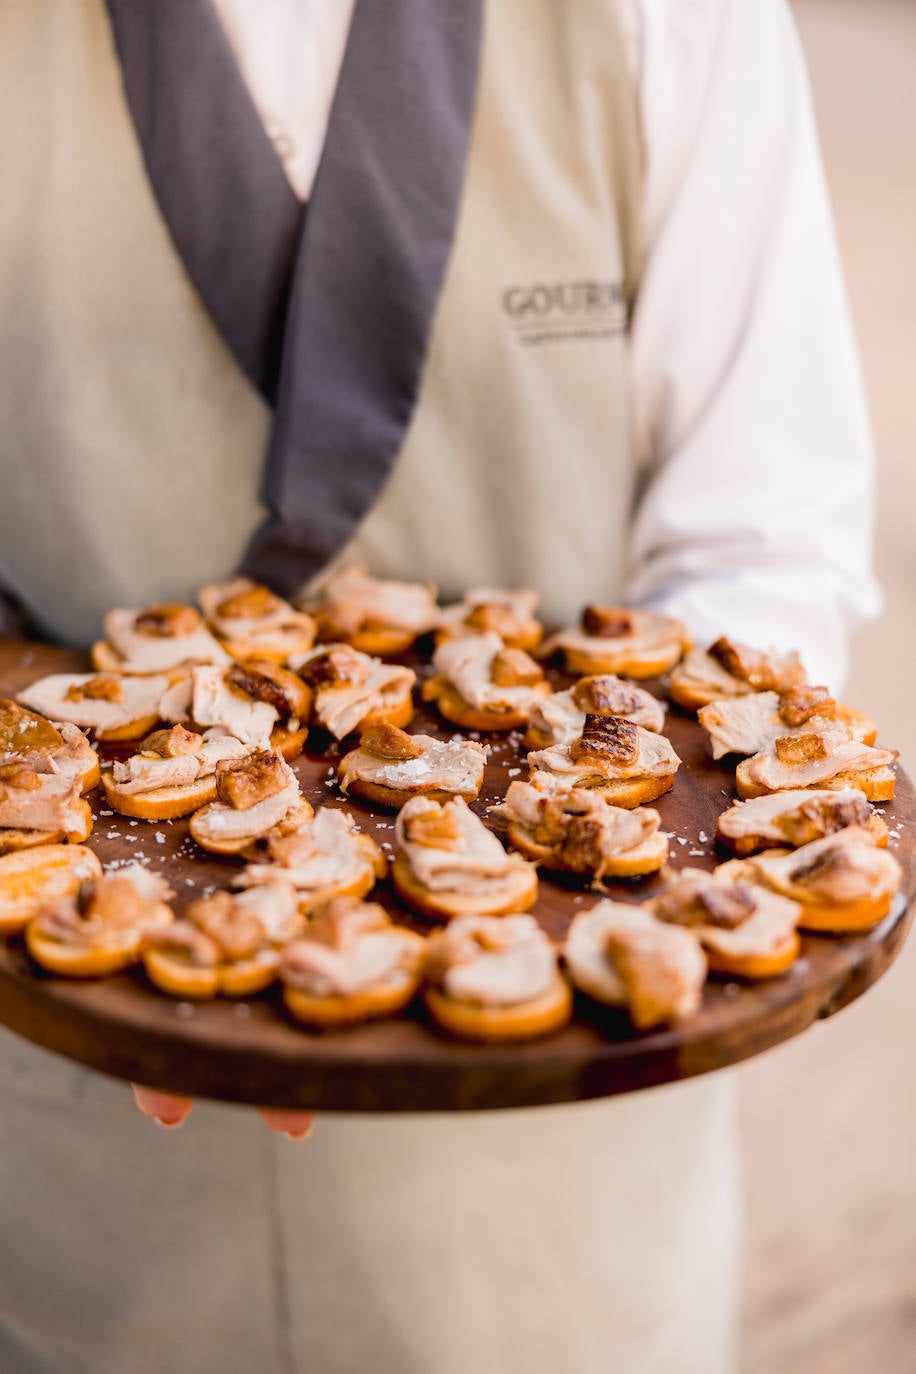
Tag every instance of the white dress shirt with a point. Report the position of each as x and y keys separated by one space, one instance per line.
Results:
x=747 y=406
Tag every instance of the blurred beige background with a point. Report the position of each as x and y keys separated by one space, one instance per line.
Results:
x=830 y=1121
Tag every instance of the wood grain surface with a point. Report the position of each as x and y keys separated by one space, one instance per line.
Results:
x=251 y=1052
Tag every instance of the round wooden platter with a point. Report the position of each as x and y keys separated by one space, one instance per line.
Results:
x=250 y=1052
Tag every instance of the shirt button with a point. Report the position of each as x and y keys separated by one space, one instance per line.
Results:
x=280 y=139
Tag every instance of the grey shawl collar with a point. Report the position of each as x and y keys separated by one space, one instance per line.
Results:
x=328 y=308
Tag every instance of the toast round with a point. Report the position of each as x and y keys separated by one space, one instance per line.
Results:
x=105 y=657
x=401 y=714
x=380 y=641
x=180 y=978
x=745 y=845
x=230 y=846
x=277 y=653
x=862 y=726
x=628 y=792
x=396 y=797
x=622 y=662
x=32 y=878
x=877 y=784
x=537 y=739
x=289 y=744
x=295 y=818
x=92 y=775
x=360 y=886
x=527 y=639
x=12 y=840
x=93 y=961
x=644 y=858
x=452 y=705
x=75 y=961
x=755 y=966
x=84 y=826
x=691 y=698
x=518 y=892
x=247 y=976
x=134 y=729
x=845 y=917
x=499 y=1025
x=162 y=803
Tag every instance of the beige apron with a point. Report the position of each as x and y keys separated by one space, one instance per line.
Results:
x=577 y=1239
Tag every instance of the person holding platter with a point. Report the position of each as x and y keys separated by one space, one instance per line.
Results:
x=496 y=292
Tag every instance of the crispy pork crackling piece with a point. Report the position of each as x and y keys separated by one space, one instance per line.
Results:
x=265 y=681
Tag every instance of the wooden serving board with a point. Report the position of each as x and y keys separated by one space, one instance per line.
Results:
x=251 y=1052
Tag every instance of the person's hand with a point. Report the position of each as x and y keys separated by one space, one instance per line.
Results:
x=171 y=1112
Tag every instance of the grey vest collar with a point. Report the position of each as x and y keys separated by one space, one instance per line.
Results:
x=220 y=185
x=366 y=262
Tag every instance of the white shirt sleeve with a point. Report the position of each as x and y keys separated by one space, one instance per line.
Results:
x=748 y=414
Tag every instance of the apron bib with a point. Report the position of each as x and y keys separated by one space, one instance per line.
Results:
x=477 y=352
